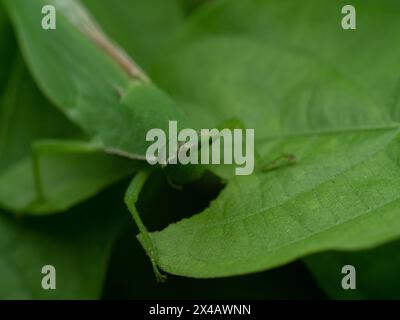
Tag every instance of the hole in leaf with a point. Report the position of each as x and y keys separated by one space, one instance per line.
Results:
x=161 y=204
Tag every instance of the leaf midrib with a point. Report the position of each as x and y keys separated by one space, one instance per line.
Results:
x=394 y=125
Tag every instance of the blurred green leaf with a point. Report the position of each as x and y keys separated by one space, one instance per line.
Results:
x=67 y=179
x=144 y=28
x=286 y=67
x=8 y=48
x=76 y=243
x=377 y=272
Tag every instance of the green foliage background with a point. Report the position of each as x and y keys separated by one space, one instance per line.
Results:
x=285 y=68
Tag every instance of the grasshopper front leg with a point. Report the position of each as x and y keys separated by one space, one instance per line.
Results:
x=131 y=198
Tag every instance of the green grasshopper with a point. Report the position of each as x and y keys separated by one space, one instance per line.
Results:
x=99 y=88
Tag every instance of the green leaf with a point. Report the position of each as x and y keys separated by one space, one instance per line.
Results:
x=377 y=272
x=290 y=282
x=342 y=194
x=285 y=67
x=77 y=244
x=297 y=83
x=314 y=28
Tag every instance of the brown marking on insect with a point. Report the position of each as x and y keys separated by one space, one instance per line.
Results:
x=82 y=19
x=117 y=54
